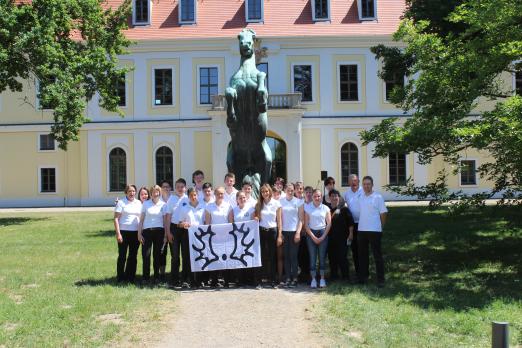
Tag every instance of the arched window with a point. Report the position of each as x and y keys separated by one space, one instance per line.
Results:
x=164 y=164
x=278 y=148
x=349 y=162
x=117 y=170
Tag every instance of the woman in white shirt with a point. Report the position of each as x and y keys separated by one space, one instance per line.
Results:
x=268 y=210
x=217 y=213
x=291 y=226
x=317 y=223
x=126 y=220
x=151 y=232
x=241 y=213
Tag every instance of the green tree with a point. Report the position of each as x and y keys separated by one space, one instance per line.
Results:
x=454 y=54
x=71 y=47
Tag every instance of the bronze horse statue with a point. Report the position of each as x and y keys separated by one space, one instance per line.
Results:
x=248 y=156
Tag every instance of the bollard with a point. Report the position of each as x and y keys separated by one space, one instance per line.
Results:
x=500 y=335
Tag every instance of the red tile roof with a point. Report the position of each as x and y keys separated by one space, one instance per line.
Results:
x=282 y=18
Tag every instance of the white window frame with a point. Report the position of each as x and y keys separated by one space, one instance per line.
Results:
x=153 y=85
x=261 y=20
x=384 y=100
x=139 y=24
x=37 y=100
x=359 y=159
x=198 y=92
x=313 y=101
x=476 y=174
x=195 y=13
x=55 y=180
x=39 y=143
x=359 y=84
x=108 y=170
x=321 y=19
x=408 y=169
x=171 y=147
x=359 y=8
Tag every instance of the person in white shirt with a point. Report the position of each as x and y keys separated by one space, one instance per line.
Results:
x=317 y=223
x=351 y=196
x=230 y=190
x=280 y=184
x=208 y=194
x=291 y=226
x=242 y=213
x=198 y=178
x=217 y=213
x=372 y=217
x=177 y=241
x=303 y=255
x=166 y=188
x=151 y=232
x=247 y=189
x=143 y=194
x=268 y=211
x=276 y=194
x=126 y=220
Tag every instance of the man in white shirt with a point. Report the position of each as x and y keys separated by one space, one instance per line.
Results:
x=372 y=217
x=230 y=190
x=351 y=196
x=198 y=178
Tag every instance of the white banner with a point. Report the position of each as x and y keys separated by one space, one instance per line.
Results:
x=224 y=246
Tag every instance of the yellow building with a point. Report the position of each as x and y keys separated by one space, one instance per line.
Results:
x=323 y=84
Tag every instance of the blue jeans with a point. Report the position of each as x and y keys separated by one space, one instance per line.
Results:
x=290 y=255
x=317 y=250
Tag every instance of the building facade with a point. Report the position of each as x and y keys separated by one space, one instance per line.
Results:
x=323 y=84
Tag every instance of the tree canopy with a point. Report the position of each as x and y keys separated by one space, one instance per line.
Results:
x=455 y=54
x=71 y=47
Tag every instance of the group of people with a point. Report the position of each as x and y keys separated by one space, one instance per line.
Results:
x=298 y=228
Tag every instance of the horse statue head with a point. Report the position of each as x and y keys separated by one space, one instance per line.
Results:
x=246 y=42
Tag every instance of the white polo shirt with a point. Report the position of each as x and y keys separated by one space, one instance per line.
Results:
x=316 y=215
x=205 y=203
x=173 y=205
x=231 y=198
x=290 y=213
x=352 y=199
x=153 y=214
x=268 y=214
x=245 y=214
x=130 y=214
x=218 y=214
x=251 y=202
x=195 y=216
x=371 y=207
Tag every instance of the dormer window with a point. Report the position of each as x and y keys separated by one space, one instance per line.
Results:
x=254 y=10
x=187 y=11
x=367 y=9
x=141 y=12
x=321 y=10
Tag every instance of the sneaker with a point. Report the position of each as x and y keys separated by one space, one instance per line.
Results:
x=313 y=284
x=292 y=284
x=322 y=283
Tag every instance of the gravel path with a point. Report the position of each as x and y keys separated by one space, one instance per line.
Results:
x=244 y=318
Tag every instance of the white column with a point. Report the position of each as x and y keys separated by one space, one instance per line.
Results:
x=185 y=92
x=420 y=172
x=140 y=87
x=186 y=144
x=94 y=165
x=328 y=151
x=374 y=168
x=141 y=157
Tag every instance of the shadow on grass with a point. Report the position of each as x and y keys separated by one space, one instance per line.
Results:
x=105 y=233
x=437 y=261
x=4 y=222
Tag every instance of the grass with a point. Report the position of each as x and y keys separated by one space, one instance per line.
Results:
x=58 y=288
x=448 y=278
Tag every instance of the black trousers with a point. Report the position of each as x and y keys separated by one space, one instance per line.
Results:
x=180 y=247
x=355 y=252
x=372 y=239
x=303 y=257
x=152 y=244
x=338 y=257
x=268 y=238
x=126 y=265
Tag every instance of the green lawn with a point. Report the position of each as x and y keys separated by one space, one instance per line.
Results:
x=57 y=284
x=447 y=279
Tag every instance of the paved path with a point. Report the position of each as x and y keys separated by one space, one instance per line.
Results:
x=244 y=318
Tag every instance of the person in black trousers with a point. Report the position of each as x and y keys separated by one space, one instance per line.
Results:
x=341 y=233
x=303 y=255
x=351 y=196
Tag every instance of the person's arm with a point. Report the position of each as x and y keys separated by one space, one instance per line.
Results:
x=166 y=223
x=231 y=216
x=279 y=227
x=383 y=219
x=208 y=218
x=308 y=230
x=297 y=237
x=119 y=238
x=328 y=220
x=140 y=228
